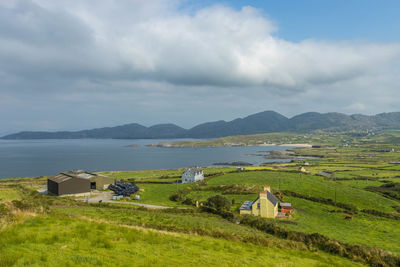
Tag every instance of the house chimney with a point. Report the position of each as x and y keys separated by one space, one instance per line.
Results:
x=267 y=188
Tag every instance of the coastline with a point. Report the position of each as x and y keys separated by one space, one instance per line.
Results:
x=187 y=145
x=295 y=145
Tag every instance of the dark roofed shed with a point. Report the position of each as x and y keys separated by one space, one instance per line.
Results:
x=65 y=184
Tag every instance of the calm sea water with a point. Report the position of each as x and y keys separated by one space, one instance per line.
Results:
x=23 y=158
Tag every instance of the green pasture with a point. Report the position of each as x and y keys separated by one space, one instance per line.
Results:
x=361 y=184
x=9 y=193
x=158 y=194
x=362 y=229
x=75 y=242
x=178 y=221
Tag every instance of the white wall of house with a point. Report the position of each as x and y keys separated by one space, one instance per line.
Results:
x=190 y=176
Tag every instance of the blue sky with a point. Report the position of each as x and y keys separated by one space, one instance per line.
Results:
x=69 y=64
x=368 y=20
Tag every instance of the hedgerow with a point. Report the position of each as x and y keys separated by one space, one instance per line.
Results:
x=369 y=255
x=382 y=214
x=328 y=201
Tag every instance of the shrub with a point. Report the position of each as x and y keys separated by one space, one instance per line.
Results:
x=4 y=210
x=189 y=201
x=382 y=214
x=177 y=196
x=33 y=201
x=218 y=202
x=223 y=213
x=180 y=195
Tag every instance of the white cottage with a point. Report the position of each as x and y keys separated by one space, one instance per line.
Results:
x=192 y=175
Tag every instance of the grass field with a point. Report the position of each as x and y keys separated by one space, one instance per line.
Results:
x=9 y=193
x=88 y=243
x=362 y=229
x=308 y=184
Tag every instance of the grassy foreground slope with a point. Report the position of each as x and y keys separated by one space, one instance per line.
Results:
x=74 y=234
x=75 y=242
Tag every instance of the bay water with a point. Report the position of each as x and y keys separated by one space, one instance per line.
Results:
x=30 y=158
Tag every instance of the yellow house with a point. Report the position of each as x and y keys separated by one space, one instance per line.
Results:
x=266 y=205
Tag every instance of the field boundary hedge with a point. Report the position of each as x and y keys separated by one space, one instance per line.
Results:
x=382 y=214
x=322 y=200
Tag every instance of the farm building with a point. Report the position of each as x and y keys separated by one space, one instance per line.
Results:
x=77 y=182
x=266 y=205
x=192 y=175
x=285 y=207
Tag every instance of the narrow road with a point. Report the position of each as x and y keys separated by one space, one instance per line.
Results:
x=106 y=197
x=138 y=204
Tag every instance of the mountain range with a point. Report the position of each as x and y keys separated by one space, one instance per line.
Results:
x=263 y=122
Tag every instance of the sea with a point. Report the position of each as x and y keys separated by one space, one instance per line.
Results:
x=31 y=158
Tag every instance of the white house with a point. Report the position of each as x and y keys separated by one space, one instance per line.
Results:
x=192 y=175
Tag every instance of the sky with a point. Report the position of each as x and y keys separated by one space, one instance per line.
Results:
x=70 y=65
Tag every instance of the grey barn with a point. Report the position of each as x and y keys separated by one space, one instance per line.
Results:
x=77 y=182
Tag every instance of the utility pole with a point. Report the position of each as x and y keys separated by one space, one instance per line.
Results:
x=335 y=194
x=279 y=179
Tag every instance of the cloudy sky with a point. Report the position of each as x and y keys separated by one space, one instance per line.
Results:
x=69 y=64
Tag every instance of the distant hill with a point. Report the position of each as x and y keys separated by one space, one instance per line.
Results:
x=263 y=122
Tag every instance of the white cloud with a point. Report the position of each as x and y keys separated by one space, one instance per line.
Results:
x=153 y=51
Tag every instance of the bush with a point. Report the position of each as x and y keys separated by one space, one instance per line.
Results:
x=180 y=195
x=33 y=201
x=382 y=214
x=177 y=196
x=189 y=201
x=4 y=210
x=218 y=202
x=223 y=213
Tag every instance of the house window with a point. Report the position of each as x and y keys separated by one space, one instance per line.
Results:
x=258 y=206
x=93 y=185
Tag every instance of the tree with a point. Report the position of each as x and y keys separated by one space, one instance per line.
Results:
x=218 y=202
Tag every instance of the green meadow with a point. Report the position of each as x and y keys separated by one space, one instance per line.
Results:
x=63 y=241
